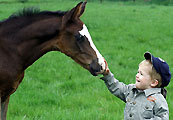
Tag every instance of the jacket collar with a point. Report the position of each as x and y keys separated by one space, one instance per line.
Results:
x=152 y=91
x=147 y=92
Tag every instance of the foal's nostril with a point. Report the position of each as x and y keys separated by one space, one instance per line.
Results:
x=101 y=68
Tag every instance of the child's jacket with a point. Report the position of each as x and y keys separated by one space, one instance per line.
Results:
x=148 y=104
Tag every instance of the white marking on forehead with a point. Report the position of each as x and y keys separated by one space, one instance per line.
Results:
x=85 y=32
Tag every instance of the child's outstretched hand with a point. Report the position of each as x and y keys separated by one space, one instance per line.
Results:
x=106 y=71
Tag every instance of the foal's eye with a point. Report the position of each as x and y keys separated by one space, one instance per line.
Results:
x=80 y=38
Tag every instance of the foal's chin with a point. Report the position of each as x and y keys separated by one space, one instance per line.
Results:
x=95 y=70
x=94 y=73
x=94 y=67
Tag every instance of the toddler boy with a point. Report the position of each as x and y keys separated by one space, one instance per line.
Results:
x=144 y=99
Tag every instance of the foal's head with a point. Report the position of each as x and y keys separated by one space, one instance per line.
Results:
x=36 y=33
x=76 y=41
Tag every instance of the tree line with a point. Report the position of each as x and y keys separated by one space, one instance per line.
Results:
x=159 y=2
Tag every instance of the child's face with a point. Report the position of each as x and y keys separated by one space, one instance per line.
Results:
x=143 y=78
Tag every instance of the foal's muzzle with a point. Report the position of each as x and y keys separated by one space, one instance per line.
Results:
x=95 y=67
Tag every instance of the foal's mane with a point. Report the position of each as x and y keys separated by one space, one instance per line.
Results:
x=33 y=11
x=25 y=12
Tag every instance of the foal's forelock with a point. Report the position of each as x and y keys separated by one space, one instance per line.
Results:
x=84 y=32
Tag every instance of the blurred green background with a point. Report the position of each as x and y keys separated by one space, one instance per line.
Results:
x=56 y=88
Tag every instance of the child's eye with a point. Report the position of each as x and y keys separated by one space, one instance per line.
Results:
x=139 y=72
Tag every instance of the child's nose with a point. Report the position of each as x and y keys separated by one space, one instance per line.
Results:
x=137 y=75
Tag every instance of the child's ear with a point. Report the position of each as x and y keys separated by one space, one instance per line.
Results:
x=154 y=83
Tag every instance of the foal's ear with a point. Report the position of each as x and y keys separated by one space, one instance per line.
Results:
x=79 y=9
x=74 y=13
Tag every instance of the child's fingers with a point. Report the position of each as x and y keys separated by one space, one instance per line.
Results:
x=106 y=64
x=106 y=71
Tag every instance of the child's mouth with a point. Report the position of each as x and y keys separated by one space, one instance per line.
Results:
x=137 y=80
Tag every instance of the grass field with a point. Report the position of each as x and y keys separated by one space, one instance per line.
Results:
x=56 y=88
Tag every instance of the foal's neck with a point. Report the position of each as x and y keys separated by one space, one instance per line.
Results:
x=39 y=38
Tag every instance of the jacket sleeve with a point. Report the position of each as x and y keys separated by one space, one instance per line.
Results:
x=117 y=88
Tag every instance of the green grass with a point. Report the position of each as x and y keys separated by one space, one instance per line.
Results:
x=54 y=90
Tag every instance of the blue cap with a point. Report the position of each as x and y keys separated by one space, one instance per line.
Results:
x=161 y=67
